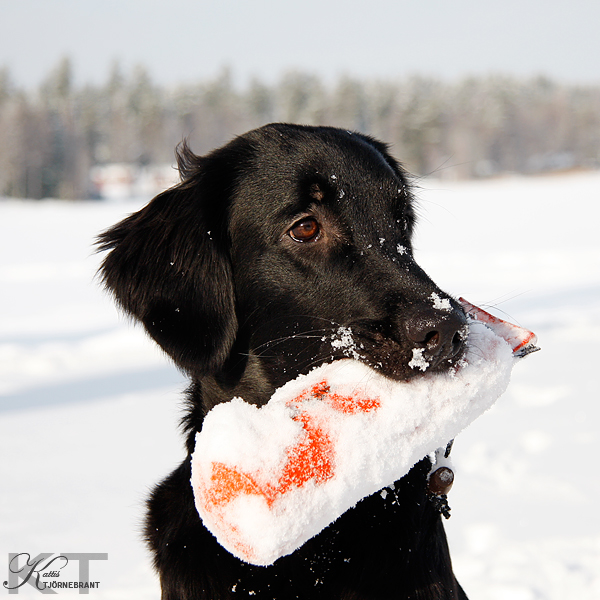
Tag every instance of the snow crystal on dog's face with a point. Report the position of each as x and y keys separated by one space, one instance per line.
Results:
x=344 y=341
x=440 y=303
x=418 y=361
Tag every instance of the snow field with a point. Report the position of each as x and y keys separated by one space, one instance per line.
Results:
x=89 y=408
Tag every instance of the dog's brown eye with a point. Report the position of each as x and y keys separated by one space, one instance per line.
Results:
x=306 y=230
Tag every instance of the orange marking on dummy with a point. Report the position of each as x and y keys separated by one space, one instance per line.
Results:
x=227 y=484
x=346 y=404
x=316 y=392
x=320 y=389
x=351 y=405
x=312 y=458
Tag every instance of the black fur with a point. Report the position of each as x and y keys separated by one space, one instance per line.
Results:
x=218 y=278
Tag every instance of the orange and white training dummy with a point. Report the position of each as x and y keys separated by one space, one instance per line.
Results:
x=267 y=479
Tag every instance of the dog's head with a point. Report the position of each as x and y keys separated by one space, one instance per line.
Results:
x=287 y=248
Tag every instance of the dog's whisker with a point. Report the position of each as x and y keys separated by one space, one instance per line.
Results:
x=332 y=325
x=308 y=335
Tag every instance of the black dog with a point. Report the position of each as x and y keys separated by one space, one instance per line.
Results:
x=244 y=274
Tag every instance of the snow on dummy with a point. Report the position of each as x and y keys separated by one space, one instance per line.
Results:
x=267 y=479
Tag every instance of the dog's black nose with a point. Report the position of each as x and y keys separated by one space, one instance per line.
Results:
x=440 y=332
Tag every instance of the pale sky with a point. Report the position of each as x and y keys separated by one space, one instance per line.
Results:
x=190 y=40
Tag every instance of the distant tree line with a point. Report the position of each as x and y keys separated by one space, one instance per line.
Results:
x=478 y=127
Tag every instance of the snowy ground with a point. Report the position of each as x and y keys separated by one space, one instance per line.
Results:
x=89 y=409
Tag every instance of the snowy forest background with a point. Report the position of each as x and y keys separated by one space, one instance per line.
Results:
x=51 y=137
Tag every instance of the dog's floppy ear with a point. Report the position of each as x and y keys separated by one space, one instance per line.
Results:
x=168 y=265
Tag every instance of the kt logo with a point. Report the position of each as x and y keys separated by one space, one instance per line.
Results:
x=41 y=573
